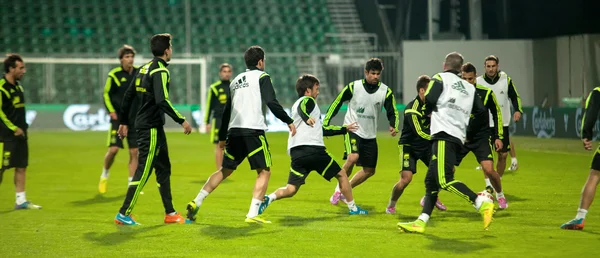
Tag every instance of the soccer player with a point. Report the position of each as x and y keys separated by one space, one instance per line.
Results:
x=243 y=127
x=13 y=127
x=592 y=108
x=450 y=101
x=217 y=96
x=308 y=150
x=502 y=85
x=414 y=144
x=151 y=88
x=114 y=89
x=479 y=135
x=366 y=98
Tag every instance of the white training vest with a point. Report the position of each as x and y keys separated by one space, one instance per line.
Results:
x=305 y=134
x=364 y=108
x=500 y=89
x=453 y=107
x=246 y=102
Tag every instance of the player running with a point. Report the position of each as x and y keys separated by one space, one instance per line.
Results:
x=366 y=98
x=414 y=144
x=117 y=83
x=244 y=128
x=479 y=134
x=215 y=104
x=307 y=148
x=504 y=89
x=450 y=101
x=592 y=108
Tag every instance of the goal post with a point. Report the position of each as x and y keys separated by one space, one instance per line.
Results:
x=49 y=86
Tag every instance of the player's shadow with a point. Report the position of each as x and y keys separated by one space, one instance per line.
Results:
x=222 y=232
x=455 y=246
x=296 y=221
x=512 y=198
x=7 y=211
x=97 y=199
x=371 y=209
x=121 y=235
x=452 y=214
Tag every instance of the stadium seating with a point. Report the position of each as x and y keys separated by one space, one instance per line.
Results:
x=99 y=28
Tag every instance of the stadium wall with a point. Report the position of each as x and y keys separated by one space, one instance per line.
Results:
x=425 y=57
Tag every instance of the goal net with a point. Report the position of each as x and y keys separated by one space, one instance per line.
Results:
x=65 y=82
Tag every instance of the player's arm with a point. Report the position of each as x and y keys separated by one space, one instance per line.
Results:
x=332 y=130
x=4 y=102
x=160 y=79
x=225 y=117
x=514 y=96
x=492 y=105
x=478 y=108
x=126 y=102
x=267 y=94
x=334 y=108
x=305 y=108
x=209 y=104
x=413 y=118
x=107 y=88
x=390 y=108
x=592 y=105
x=433 y=93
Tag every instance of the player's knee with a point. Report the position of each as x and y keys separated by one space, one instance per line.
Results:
x=341 y=175
x=352 y=158
x=292 y=190
x=369 y=171
x=225 y=172
x=406 y=177
x=113 y=151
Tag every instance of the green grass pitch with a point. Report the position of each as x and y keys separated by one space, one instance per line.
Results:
x=75 y=221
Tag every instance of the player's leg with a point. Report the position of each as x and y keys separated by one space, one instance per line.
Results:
x=587 y=195
x=447 y=182
x=483 y=150
x=300 y=167
x=19 y=159
x=351 y=147
x=147 y=143
x=259 y=158
x=133 y=152
x=514 y=164
x=114 y=143
x=431 y=194
x=408 y=168
x=503 y=153
x=324 y=163
x=215 y=140
x=233 y=154
x=368 y=153
x=162 y=169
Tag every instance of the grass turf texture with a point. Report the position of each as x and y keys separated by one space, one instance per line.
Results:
x=76 y=221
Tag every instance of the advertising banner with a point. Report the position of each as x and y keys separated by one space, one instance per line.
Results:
x=551 y=123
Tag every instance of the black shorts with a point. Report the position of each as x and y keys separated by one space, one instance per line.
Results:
x=310 y=158
x=366 y=149
x=15 y=153
x=409 y=157
x=255 y=148
x=440 y=171
x=481 y=147
x=596 y=160
x=214 y=130
x=114 y=140
x=505 y=135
